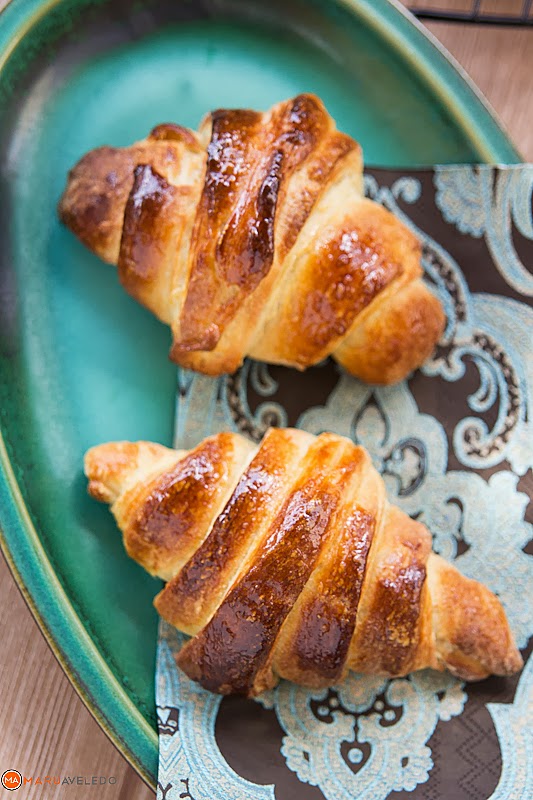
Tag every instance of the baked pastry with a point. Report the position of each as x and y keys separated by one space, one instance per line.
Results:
x=286 y=560
x=253 y=238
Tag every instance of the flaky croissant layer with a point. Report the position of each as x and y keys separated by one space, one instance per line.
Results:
x=286 y=560
x=253 y=238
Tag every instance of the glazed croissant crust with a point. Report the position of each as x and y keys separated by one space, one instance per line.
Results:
x=286 y=560
x=253 y=238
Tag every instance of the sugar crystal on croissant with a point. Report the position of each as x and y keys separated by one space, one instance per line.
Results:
x=286 y=560
x=253 y=237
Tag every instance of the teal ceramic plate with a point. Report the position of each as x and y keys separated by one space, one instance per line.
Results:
x=82 y=363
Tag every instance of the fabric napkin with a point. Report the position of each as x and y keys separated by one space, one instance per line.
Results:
x=455 y=447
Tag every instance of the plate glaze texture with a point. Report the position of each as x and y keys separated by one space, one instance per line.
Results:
x=81 y=362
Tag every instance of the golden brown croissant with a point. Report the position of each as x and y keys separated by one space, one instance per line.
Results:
x=253 y=237
x=286 y=560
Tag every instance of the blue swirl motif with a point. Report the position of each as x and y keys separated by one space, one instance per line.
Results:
x=485 y=330
x=205 y=406
x=369 y=736
x=486 y=202
x=514 y=726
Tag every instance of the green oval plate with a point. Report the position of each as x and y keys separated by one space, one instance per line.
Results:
x=82 y=363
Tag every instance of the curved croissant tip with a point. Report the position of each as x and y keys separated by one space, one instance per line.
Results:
x=93 y=201
x=103 y=466
x=513 y=662
x=108 y=466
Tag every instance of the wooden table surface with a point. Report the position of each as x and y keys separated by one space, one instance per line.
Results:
x=55 y=733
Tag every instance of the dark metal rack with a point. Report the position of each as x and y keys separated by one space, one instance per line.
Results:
x=474 y=13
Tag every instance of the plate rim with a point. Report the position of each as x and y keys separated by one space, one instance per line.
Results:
x=64 y=631
x=49 y=604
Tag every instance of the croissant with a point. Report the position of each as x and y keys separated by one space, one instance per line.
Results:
x=253 y=238
x=286 y=560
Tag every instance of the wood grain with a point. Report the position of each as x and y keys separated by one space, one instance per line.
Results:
x=45 y=728
x=501 y=63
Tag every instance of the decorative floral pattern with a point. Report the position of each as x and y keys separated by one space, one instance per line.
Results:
x=486 y=202
x=367 y=736
x=514 y=725
x=484 y=329
x=459 y=475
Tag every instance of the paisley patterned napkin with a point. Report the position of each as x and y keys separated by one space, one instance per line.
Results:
x=455 y=446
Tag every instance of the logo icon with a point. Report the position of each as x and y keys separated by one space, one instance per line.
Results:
x=11 y=780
